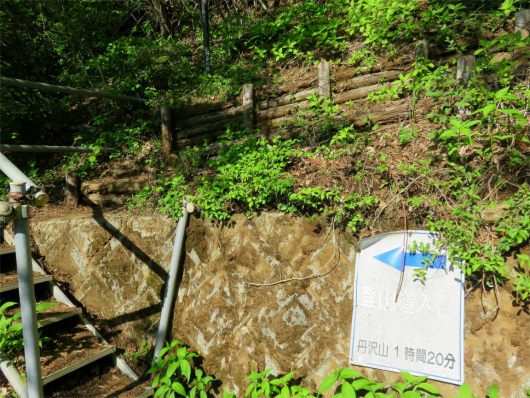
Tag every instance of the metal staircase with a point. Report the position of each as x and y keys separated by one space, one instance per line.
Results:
x=74 y=343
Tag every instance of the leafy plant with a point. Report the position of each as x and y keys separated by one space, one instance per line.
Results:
x=412 y=384
x=135 y=356
x=173 y=371
x=11 y=339
x=199 y=384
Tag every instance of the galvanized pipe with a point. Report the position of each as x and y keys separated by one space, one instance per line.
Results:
x=12 y=376
x=48 y=148
x=68 y=90
x=26 y=290
x=14 y=174
x=167 y=302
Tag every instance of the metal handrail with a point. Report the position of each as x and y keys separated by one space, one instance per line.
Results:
x=49 y=148
x=21 y=196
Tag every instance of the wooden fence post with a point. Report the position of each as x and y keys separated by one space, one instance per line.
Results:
x=167 y=131
x=324 y=83
x=464 y=69
x=464 y=72
x=72 y=189
x=248 y=107
x=522 y=22
x=422 y=50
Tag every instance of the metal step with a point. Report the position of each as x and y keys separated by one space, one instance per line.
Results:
x=150 y=391
x=69 y=349
x=70 y=368
x=87 y=347
x=50 y=318
x=7 y=250
x=47 y=317
x=12 y=283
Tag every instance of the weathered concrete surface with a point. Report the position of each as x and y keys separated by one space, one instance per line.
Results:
x=299 y=325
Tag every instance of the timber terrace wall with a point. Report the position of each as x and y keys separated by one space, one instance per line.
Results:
x=273 y=112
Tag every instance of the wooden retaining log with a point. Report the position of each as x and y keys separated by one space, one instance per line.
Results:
x=114 y=187
x=206 y=128
x=105 y=200
x=199 y=139
x=401 y=62
x=200 y=109
x=363 y=92
x=280 y=111
x=398 y=110
x=366 y=80
x=286 y=99
x=210 y=117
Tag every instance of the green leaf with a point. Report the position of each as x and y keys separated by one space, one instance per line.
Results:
x=410 y=394
x=465 y=391
x=202 y=394
x=287 y=377
x=407 y=376
x=327 y=383
x=514 y=112
x=176 y=342
x=14 y=328
x=493 y=391
x=181 y=352
x=162 y=390
x=349 y=374
x=361 y=383
x=179 y=388
x=429 y=388
x=185 y=368
x=501 y=93
x=249 y=389
x=253 y=377
x=433 y=93
x=163 y=352
x=487 y=109
x=347 y=390
x=7 y=305
x=172 y=369
x=285 y=392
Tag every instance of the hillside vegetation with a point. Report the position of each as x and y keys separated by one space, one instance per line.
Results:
x=462 y=171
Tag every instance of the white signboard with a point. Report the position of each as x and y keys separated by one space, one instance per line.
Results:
x=421 y=332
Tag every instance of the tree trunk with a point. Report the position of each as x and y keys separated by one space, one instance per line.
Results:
x=206 y=36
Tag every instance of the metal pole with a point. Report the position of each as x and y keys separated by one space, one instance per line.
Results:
x=167 y=302
x=13 y=377
x=67 y=90
x=48 y=148
x=26 y=289
x=14 y=174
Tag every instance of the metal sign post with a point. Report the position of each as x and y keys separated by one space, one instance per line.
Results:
x=422 y=331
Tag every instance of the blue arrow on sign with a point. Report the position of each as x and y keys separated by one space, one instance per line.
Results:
x=416 y=260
